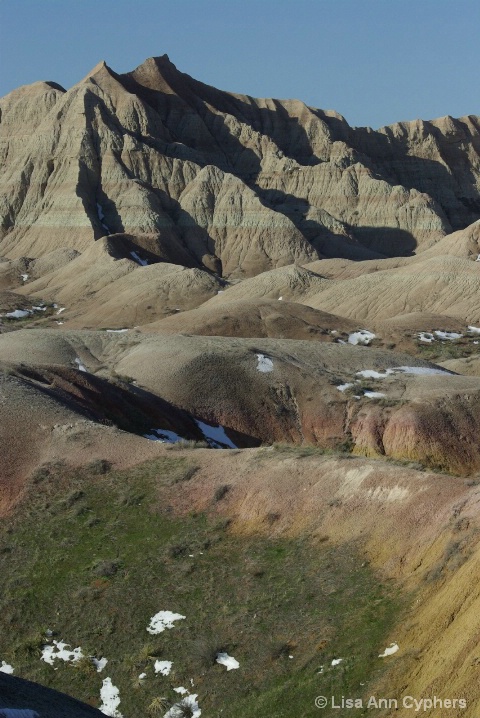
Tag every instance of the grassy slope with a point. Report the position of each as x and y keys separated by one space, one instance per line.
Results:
x=92 y=556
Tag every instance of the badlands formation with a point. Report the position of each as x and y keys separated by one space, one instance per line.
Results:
x=185 y=269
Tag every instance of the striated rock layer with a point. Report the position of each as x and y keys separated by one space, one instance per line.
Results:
x=230 y=183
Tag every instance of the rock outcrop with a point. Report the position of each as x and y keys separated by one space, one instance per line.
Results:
x=238 y=185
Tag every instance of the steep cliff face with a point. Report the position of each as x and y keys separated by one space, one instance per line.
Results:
x=239 y=185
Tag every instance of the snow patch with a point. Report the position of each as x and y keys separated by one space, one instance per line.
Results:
x=6 y=668
x=24 y=277
x=116 y=331
x=181 y=690
x=59 y=651
x=18 y=313
x=81 y=367
x=426 y=337
x=101 y=216
x=419 y=370
x=373 y=394
x=99 y=663
x=163 y=435
x=474 y=330
x=215 y=435
x=336 y=661
x=163 y=667
x=392 y=648
x=451 y=336
x=228 y=661
x=361 y=337
x=162 y=620
x=110 y=696
x=372 y=374
x=264 y=364
x=62 y=309
x=138 y=259
x=344 y=387
x=176 y=711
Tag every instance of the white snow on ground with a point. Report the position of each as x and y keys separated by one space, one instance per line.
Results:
x=448 y=335
x=139 y=260
x=162 y=620
x=81 y=367
x=373 y=394
x=59 y=651
x=372 y=374
x=474 y=330
x=62 y=309
x=6 y=668
x=264 y=364
x=142 y=677
x=116 y=331
x=336 y=661
x=393 y=648
x=225 y=660
x=163 y=435
x=280 y=299
x=99 y=663
x=419 y=370
x=24 y=277
x=18 y=313
x=101 y=216
x=163 y=667
x=181 y=690
x=478 y=258
x=361 y=337
x=215 y=435
x=110 y=696
x=176 y=710
x=426 y=337
x=344 y=387
x=39 y=309
x=18 y=713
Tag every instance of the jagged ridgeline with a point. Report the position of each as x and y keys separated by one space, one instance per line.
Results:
x=214 y=180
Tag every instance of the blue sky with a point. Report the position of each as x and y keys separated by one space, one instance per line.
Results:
x=375 y=61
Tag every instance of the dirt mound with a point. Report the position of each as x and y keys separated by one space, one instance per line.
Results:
x=113 y=284
x=440 y=285
x=374 y=401
x=262 y=318
x=292 y=283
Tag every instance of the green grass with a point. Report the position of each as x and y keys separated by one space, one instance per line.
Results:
x=447 y=349
x=94 y=555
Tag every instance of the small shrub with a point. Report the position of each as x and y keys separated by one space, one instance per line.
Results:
x=158 y=706
x=206 y=650
x=99 y=466
x=188 y=444
x=106 y=569
x=186 y=475
x=221 y=492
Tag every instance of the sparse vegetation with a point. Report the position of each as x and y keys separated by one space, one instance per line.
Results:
x=101 y=574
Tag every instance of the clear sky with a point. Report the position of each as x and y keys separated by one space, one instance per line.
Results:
x=375 y=61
